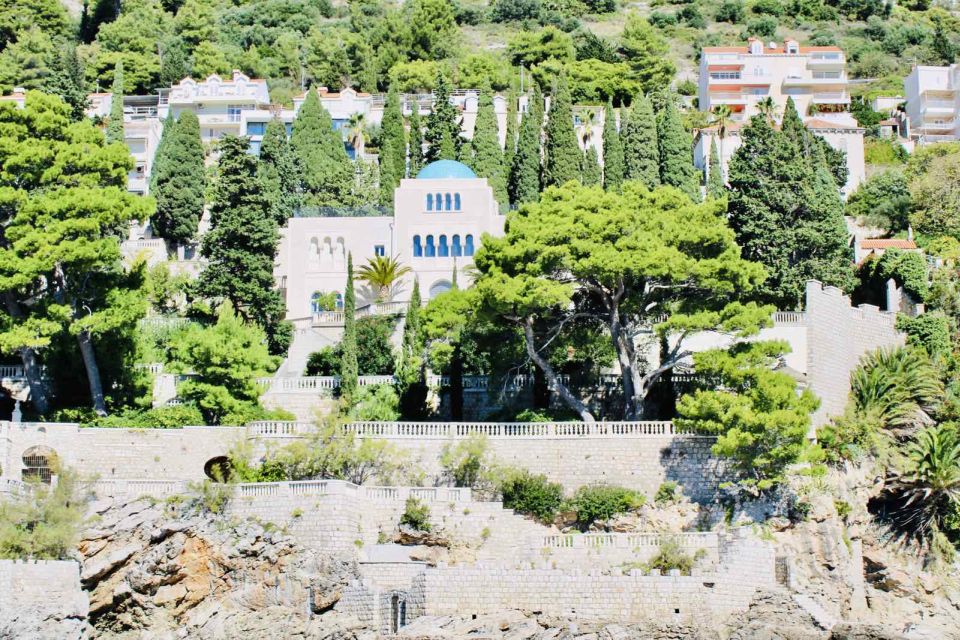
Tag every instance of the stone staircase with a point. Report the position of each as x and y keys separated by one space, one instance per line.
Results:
x=305 y=342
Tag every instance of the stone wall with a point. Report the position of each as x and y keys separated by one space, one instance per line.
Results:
x=44 y=586
x=839 y=334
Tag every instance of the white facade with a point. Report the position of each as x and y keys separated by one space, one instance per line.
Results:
x=218 y=103
x=932 y=103
x=740 y=77
x=312 y=257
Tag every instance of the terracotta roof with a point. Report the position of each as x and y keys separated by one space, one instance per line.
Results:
x=14 y=96
x=887 y=243
x=818 y=123
x=766 y=49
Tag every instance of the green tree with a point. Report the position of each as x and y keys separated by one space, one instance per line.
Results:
x=446 y=322
x=934 y=182
x=530 y=48
x=898 y=389
x=613 y=163
x=349 y=368
x=327 y=173
x=60 y=263
x=68 y=80
x=241 y=245
x=115 y=123
x=786 y=211
x=178 y=181
x=487 y=158
x=412 y=347
x=510 y=141
x=593 y=257
x=676 y=152
x=278 y=172
x=48 y=16
x=760 y=419
x=382 y=274
x=416 y=143
x=590 y=173
x=647 y=53
x=393 y=142
x=524 y=183
x=561 y=151
x=715 y=186
x=388 y=179
x=28 y=62
x=45 y=523
x=882 y=200
x=641 y=153
x=443 y=125
x=434 y=33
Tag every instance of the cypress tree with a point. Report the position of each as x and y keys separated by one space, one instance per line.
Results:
x=443 y=126
x=388 y=179
x=590 y=168
x=391 y=130
x=349 y=369
x=562 y=162
x=327 y=173
x=613 y=168
x=715 y=186
x=676 y=152
x=115 y=124
x=416 y=142
x=241 y=245
x=524 y=183
x=178 y=181
x=510 y=139
x=412 y=340
x=68 y=81
x=487 y=157
x=641 y=155
x=278 y=171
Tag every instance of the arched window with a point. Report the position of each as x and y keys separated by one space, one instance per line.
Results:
x=431 y=250
x=439 y=200
x=429 y=202
x=316 y=302
x=456 y=202
x=444 y=249
x=39 y=463
x=468 y=249
x=417 y=247
x=457 y=249
x=448 y=201
x=440 y=286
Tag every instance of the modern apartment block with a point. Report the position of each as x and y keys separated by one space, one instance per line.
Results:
x=932 y=103
x=218 y=103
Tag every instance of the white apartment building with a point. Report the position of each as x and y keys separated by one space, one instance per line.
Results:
x=816 y=79
x=218 y=103
x=932 y=103
x=438 y=222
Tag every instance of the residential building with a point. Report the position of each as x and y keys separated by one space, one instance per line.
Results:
x=142 y=129
x=217 y=102
x=866 y=247
x=438 y=220
x=932 y=103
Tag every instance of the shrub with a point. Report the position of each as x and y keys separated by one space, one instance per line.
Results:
x=171 y=417
x=767 y=7
x=416 y=515
x=730 y=11
x=602 y=502
x=668 y=493
x=531 y=494
x=374 y=351
x=687 y=87
x=210 y=497
x=45 y=523
x=466 y=461
x=931 y=331
x=325 y=362
x=376 y=402
x=660 y=19
x=762 y=27
x=670 y=555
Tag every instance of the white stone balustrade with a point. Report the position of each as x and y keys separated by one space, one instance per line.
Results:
x=689 y=540
x=512 y=429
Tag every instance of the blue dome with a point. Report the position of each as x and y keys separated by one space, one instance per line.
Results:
x=445 y=169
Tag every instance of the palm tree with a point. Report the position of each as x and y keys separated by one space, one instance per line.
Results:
x=357 y=132
x=767 y=107
x=899 y=387
x=722 y=117
x=588 y=118
x=381 y=273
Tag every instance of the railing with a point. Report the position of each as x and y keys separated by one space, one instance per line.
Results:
x=279 y=428
x=140 y=245
x=834 y=97
x=163 y=322
x=310 y=384
x=153 y=367
x=11 y=371
x=629 y=540
x=340 y=487
x=9 y=486
x=138 y=488
x=513 y=429
x=382 y=309
x=329 y=318
x=789 y=318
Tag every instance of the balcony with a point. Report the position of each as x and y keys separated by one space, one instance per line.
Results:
x=826 y=61
x=815 y=79
x=727 y=98
x=836 y=97
x=935 y=106
x=221 y=119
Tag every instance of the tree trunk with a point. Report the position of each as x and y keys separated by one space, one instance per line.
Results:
x=456 y=384
x=93 y=372
x=625 y=358
x=28 y=355
x=569 y=399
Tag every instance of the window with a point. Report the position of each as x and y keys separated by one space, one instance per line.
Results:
x=417 y=247
x=447 y=201
x=431 y=250
x=233 y=113
x=440 y=286
x=256 y=128
x=456 y=202
x=756 y=48
x=469 y=245
x=444 y=249
x=254 y=148
x=439 y=202
x=457 y=249
x=724 y=75
x=339 y=301
x=289 y=127
x=792 y=47
x=429 y=202
x=379 y=250
x=316 y=303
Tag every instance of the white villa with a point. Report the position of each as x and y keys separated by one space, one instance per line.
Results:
x=933 y=103
x=438 y=221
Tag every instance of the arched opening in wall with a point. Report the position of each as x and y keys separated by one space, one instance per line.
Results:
x=457 y=248
x=456 y=202
x=398 y=612
x=40 y=464
x=218 y=469
x=440 y=286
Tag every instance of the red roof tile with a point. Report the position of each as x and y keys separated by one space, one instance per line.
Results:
x=887 y=243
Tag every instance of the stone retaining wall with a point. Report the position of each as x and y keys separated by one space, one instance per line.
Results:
x=44 y=586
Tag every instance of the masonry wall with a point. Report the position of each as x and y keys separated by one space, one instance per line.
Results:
x=839 y=334
x=43 y=585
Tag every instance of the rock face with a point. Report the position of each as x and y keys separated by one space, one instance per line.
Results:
x=162 y=568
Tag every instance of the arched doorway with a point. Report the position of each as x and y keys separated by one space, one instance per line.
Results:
x=40 y=463
x=218 y=469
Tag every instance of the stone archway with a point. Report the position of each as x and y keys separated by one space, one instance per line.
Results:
x=40 y=463
x=218 y=468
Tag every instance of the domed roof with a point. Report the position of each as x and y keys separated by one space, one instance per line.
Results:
x=445 y=169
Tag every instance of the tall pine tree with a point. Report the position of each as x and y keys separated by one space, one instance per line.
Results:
x=416 y=142
x=676 y=152
x=68 y=81
x=613 y=169
x=443 y=125
x=715 y=187
x=388 y=179
x=524 y=185
x=641 y=155
x=392 y=132
x=510 y=137
x=349 y=369
x=179 y=180
x=487 y=158
x=590 y=172
x=278 y=172
x=115 y=123
x=562 y=161
x=327 y=173
x=241 y=245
